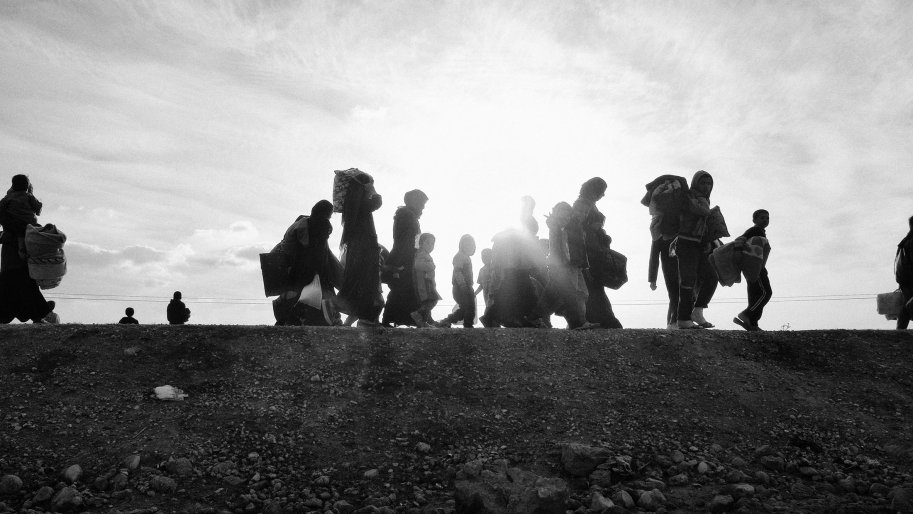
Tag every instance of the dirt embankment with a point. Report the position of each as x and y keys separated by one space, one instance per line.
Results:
x=341 y=420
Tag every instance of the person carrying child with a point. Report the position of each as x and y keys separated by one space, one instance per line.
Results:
x=463 y=294
x=423 y=278
x=759 y=291
x=20 y=209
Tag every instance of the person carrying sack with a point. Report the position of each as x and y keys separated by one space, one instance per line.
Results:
x=903 y=273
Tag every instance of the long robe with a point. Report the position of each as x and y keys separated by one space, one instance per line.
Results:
x=403 y=298
x=360 y=292
x=20 y=297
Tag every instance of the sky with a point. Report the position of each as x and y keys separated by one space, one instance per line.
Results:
x=172 y=141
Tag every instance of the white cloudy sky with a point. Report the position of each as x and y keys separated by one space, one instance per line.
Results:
x=174 y=141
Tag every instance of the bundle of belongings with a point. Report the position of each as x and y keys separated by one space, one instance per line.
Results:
x=665 y=197
x=613 y=269
x=891 y=304
x=740 y=257
x=341 y=181
x=46 y=260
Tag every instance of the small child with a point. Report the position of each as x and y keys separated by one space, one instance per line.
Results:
x=423 y=277
x=462 y=285
x=759 y=292
x=128 y=319
x=485 y=277
x=20 y=209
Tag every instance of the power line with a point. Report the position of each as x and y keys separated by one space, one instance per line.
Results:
x=262 y=301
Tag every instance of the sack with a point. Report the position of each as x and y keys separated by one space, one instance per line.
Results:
x=615 y=269
x=312 y=294
x=46 y=260
x=341 y=186
x=753 y=259
x=716 y=224
x=667 y=198
x=890 y=304
x=726 y=263
x=275 y=273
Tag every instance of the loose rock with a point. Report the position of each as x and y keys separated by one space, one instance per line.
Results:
x=10 y=484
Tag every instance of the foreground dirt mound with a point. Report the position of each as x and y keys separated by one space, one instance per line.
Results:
x=284 y=419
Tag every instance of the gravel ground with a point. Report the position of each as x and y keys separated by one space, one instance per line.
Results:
x=283 y=419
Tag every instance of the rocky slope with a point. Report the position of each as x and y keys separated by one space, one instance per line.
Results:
x=282 y=419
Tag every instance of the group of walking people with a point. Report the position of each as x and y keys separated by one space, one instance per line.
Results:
x=524 y=280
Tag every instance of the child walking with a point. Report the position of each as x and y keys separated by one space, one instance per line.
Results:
x=759 y=291
x=463 y=294
x=425 y=285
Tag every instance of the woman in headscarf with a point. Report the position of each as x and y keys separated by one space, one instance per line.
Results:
x=306 y=254
x=20 y=296
x=584 y=239
x=360 y=293
x=903 y=273
x=403 y=297
x=692 y=247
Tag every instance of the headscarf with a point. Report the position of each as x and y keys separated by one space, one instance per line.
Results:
x=697 y=177
x=593 y=188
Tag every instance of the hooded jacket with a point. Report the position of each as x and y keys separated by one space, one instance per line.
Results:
x=693 y=220
x=903 y=261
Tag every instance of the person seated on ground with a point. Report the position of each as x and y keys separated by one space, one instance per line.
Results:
x=52 y=316
x=128 y=319
x=177 y=312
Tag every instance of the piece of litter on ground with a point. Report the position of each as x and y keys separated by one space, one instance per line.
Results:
x=167 y=392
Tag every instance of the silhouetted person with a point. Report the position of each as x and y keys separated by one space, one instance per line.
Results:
x=52 y=316
x=306 y=254
x=178 y=313
x=461 y=280
x=527 y=220
x=425 y=282
x=20 y=297
x=360 y=293
x=664 y=198
x=403 y=299
x=20 y=208
x=903 y=273
x=584 y=240
x=692 y=247
x=128 y=319
x=565 y=291
x=759 y=291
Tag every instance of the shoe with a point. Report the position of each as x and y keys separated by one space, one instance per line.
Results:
x=441 y=324
x=744 y=323
x=672 y=326
x=588 y=326
x=697 y=315
x=367 y=323
x=688 y=325
x=417 y=318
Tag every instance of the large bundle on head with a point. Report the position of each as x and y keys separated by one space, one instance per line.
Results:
x=341 y=182
x=665 y=194
x=47 y=262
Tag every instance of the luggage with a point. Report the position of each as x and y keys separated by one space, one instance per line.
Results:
x=890 y=304
x=46 y=260
x=275 y=273
x=716 y=224
x=726 y=262
x=615 y=269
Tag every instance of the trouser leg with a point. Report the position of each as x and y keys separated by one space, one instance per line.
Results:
x=707 y=281
x=689 y=254
x=670 y=277
x=903 y=319
x=759 y=293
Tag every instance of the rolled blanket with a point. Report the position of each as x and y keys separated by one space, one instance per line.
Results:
x=341 y=181
x=47 y=262
x=726 y=261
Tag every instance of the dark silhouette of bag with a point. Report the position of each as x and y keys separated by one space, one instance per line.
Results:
x=614 y=269
x=275 y=273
